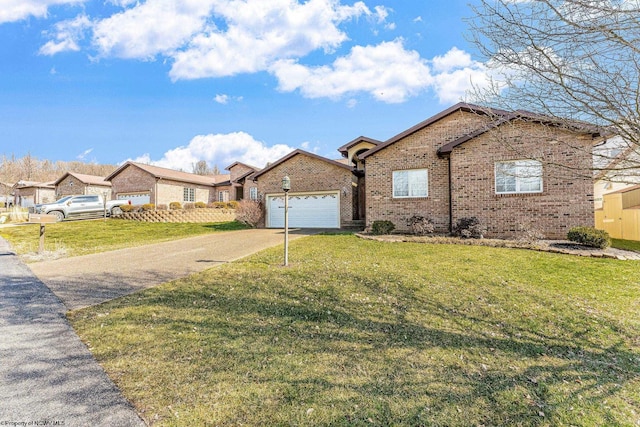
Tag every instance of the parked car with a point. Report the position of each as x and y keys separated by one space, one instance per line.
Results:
x=76 y=206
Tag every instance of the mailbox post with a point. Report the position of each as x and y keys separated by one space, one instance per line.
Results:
x=42 y=220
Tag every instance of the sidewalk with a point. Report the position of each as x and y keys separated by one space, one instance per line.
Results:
x=47 y=375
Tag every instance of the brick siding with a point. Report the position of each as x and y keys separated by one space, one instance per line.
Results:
x=309 y=174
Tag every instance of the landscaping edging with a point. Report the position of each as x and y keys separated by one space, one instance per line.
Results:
x=553 y=246
x=183 y=215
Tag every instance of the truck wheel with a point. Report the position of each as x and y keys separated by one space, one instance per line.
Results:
x=59 y=215
x=116 y=211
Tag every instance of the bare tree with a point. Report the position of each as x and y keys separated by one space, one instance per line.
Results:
x=200 y=167
x=570 y=60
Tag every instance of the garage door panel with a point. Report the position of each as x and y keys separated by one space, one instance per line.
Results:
x=306 y=211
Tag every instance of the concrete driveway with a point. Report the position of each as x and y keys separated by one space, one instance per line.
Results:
x=91 y=279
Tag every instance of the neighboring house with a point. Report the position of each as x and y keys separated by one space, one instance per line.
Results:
x=498 y=167
x=6 y=195
x=617 y=163
x=72 y=183
x=143 y=183
x=30 y=193
x=322 y=191
x=505 y=168
x=620 y=214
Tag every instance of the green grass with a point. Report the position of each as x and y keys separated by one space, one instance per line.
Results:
x=84 y=237
x=358 y=333
x=629 y=245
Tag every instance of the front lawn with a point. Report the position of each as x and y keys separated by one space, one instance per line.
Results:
x=628 y=245
x=358 y=333
x=84 y=237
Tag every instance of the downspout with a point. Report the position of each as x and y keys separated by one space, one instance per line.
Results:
x=450 y=195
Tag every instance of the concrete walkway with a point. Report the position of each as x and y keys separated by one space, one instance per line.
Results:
x=91 y=279
x=47 y=374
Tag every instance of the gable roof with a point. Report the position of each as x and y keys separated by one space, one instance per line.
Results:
x=241 y=164
x=461 y=106
x=85 y=179
x=34 y=184
x=356 y=141
x=170 y=174
x=304 y=153
x=500 y=117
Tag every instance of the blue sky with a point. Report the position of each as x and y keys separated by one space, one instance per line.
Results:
x=171 y=83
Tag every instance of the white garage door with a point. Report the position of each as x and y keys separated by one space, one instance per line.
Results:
x=136 y=199
x=320 y=210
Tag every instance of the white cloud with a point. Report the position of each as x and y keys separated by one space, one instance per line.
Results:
x=67 y=36
x=150 y=28
x=17 y=10
x=388 y=72
x=221 y=150
x=259 y=32
x=221 y=99
x=84 y=154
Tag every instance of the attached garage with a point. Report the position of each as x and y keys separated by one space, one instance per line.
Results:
x=306 y=210
x=136 y=199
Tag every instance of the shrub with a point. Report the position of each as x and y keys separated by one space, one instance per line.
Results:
x=232 y=204
x=175 y=205
x=219 y=205
x=589 y=236
x=128 y=208
x=162 y=207
x=420 y=225
x=189 y=206
x=200 y=205
x=382 y=227
x=469 y=228
x=148 y=207
x=249 y=212
x=530 y=234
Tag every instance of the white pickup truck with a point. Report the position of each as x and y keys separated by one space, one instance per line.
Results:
x=91 y=205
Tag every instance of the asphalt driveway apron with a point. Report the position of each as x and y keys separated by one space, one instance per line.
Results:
x=47 y=375
x=91 y=279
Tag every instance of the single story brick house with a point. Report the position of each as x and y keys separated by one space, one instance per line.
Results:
x=508 y=169
x=30 y=193
x=143 y=183
x=72 y=183
x=322 y=195
x=239 y=185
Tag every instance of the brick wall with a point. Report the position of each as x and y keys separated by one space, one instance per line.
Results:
x=309 y=174
x=566 y=200
x=237 y=171
x=71 y=186
x=173 y=191
x=567 y=197
x=416 y=151
x=133 y=180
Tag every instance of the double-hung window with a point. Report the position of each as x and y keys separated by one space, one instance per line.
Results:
x=189 y=194
x=253 y=193
x=519 y=176
x=410 y=183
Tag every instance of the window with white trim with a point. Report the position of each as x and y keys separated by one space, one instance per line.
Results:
x=518 y=176
x=253 y=193
x=410 y=183
x=189 y=194
x=223 y=196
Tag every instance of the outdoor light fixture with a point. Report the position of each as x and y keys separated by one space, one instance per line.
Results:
x=286 y=186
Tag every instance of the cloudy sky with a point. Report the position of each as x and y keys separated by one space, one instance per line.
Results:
x=172 y=82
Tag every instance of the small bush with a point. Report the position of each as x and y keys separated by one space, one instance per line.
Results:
x=469 y=228
x=420 y=225
x=128 y=208
x=382 y=227
x=175 y=206
x=189 y=206
x=148 y=207
x=200 y=205
x=232 y=204
x=249 y=212
x=219 y=205
x=530 y=234
x=162 y=207
x=589 y=236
